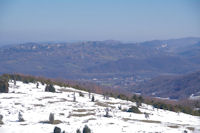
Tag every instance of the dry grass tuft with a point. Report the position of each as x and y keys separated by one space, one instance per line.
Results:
x=83 y=110
x=54 y=123
x=191 y=128
x=38 y=105
x=81 y=115
x=147 y=121
x=173 y=126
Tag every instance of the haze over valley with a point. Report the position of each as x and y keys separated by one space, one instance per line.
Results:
x=108 y=63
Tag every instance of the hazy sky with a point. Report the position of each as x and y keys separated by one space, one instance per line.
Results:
x=125 y=20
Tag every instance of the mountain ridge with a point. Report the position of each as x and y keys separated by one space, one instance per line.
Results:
x=110 y=63
x=174 y=87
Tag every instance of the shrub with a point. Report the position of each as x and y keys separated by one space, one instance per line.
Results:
x=51 y=118
x=122 y=96
x=134 y=110
x=86 y=129
x=50 y=88
x=78 y=131
x=136 y=98
x=141 y=99
x=57 y=130
x=107 y=112
x=3 y=86
x=81 y=94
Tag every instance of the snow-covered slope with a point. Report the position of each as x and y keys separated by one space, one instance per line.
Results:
x=36 y=105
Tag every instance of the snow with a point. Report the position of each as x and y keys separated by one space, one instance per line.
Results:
x=164 y=45
x=195 y=97
x=36 y=105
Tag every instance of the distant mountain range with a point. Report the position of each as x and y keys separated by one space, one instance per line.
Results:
x=173 y=87
x=110 y=63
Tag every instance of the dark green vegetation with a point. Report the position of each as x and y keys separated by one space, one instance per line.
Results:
x=57 y=130
x=3 y=85
x=156 y=103
x=109 y=63
x=65 y=83
x=92 y=99
x=174 y=87
x=50 y=88
x=175 y=108
x=86 y=129
x=134 y=110
x=78 y=131
x=184 y=107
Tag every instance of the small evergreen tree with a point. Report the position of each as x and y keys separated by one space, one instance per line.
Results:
x=120 y=107
x=51 y=118
x=74 y=99
x=146 y=115
x=20 y=117
x=141 y=99
x=134 y=97
x=92 y=98
x=4 y=86
x=1 y=118
x=86 y=129
x=37 y=85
